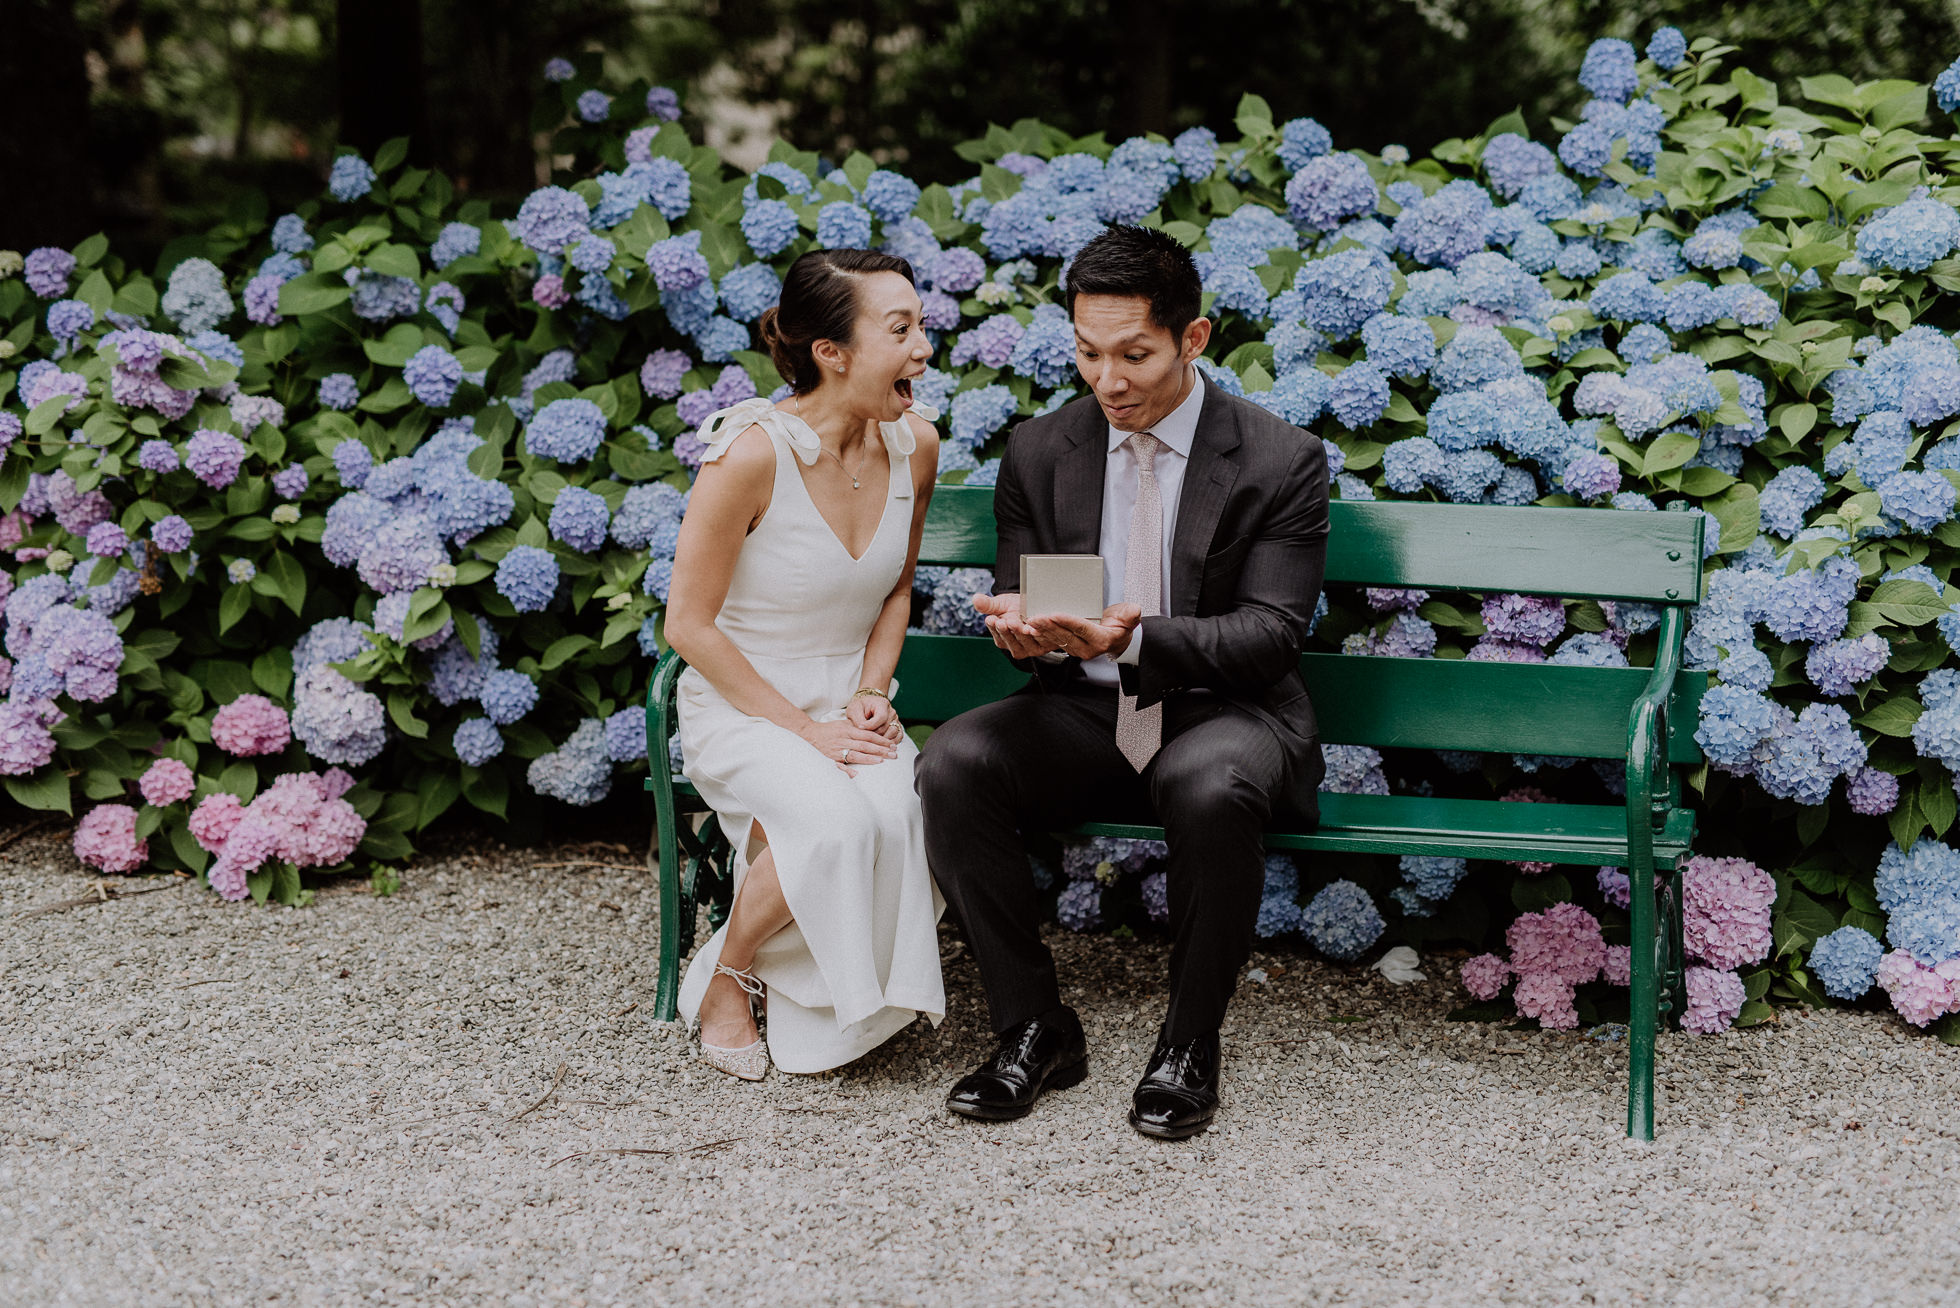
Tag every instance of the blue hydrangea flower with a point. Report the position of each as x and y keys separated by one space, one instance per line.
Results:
x=1628 y=297
x=1341 y=921
x=768 y=226
x=593 y=106
x=568 y=430
x=1045 y=352
x=663 y=103
x=592 y=254
x=1921 y=500
x=195 y=297
x=550 y=219
x=1359 y=395
x=1946 y=88
x=889 y=195
x=1909 y=237
x=528 y=578
x=507 y=696
x=455 y=241
x=979 y=413
x=477 y=741
x=1734 y=721
x=1433 y=879
x=1330 y=190
x=433 y=374
x=677 y=263
x=1475 y=356
x=1609 y=70
x=748 y=290
x=1510 y=161
x=289 y=235
x=580 y=519
x=1196 y=150
x=1845 y=962
x=577 y=772
x=1298 y=396
x=351 y=178
x=1341 y=292
x=1445 y=228
x=843 y=225
x=1302 y=140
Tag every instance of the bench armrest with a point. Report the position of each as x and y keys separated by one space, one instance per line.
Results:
x=1648 y=796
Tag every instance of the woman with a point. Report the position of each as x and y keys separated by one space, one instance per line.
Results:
x=792 y=588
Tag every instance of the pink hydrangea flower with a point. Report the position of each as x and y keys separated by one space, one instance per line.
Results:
x=105 y=838
x=1725 y=910
x=1618 y=967
x=213 y=821
x=167 y=782
x=1563 y=942
x=1486 y=975
x=1921 y=994
x=313 y=829
x=335 y=782
x=251 y=725
x=1714 y=1000
x=1547 y=998
x=550 y=293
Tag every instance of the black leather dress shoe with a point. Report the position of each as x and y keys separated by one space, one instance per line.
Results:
x=1032 y=1057
x=1178 y=1095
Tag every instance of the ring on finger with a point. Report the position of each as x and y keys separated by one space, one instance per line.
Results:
x=847 y=754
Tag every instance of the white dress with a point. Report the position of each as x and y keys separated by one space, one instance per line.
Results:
x=861 y=959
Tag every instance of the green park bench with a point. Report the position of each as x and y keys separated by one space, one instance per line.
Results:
x=1645 y=717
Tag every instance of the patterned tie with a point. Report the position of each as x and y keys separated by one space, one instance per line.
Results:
x=1140 y=731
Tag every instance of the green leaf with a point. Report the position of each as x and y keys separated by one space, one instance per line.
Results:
x=272 y=672
x=235 y=604
x=1908 y=603
x=486 y=788
x=1937 y=802
x=401 y=711
x=1534 y=894
x=1892 y=717
x=312 y=292
x=47 y=790
x=1754 y=1012
x=241 y=779
x=260 y=884
x=288 y=579
x=396 y=348
x=285 y=885
x=1254 y=116
x=1800 y=923
x=391 y=154
x=563 y=650
x=394 y=261
x=1669 y=451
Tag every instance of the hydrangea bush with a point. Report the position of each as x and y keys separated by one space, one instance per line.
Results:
x=389 y=486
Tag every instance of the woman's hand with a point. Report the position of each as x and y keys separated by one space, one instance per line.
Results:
x=875 y=713
x=848 y=745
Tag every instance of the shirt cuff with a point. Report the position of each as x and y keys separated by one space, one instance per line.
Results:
x=1052 y=656
x=1133 y=649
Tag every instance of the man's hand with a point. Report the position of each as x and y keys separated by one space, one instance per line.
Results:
x=1083 y=639
x=1009 y=630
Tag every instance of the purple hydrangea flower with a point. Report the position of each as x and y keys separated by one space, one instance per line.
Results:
x=351 y=178
x=214 y=457
x=171 y=534
x=568 y=430
x=433 y=374
x=579 y=518
x=47 y=271
x=477 y=741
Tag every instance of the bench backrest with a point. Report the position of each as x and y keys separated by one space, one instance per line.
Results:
x=1397 y=702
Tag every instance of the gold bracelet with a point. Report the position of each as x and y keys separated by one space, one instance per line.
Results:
x=871 y=690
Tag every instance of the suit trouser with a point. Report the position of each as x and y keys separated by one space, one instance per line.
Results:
x=1039 y=760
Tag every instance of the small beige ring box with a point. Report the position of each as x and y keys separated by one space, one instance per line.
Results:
x=1062 y=584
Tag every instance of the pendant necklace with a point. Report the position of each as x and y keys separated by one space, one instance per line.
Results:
x=797 y=400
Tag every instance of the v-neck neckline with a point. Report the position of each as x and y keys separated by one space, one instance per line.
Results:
x=891 y=471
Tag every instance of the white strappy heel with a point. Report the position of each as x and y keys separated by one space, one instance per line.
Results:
x=751 y=1061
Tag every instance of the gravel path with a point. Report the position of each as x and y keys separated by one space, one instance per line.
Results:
x=203 y=1103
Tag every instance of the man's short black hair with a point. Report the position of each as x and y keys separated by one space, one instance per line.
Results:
x=1145 y=262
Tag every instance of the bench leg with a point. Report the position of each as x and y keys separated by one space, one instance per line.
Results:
x=667 y=987
x=1643 y=1016
x=1674 y=976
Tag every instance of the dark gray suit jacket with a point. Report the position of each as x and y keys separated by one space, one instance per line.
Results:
x=1247 y=559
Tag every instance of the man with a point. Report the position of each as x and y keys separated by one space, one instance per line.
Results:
x=1184 y=700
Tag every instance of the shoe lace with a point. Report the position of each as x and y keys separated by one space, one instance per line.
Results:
x=749 y=981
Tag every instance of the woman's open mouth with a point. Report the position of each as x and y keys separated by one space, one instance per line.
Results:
x=904 y=388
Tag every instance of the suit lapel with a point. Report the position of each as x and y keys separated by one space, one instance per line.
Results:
x=1208 y=481
x=1079 y=487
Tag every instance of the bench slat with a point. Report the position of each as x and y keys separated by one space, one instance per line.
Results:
x=1596 y=553
x=1512 y=708
x=1505 y=708
x=1592 y=835
x=1576 y=553
x=1450 y=828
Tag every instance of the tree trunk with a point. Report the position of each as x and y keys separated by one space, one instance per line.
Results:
x=44 y=102
x=378 y=54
